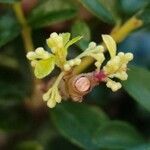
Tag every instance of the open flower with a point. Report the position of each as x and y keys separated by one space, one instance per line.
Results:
x=116 y=67
x=42 y=61
x=59 y=43
x=93 y=50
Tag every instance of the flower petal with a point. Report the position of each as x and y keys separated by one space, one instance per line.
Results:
x=44 y=67
x=110 y=44
x=74 y=40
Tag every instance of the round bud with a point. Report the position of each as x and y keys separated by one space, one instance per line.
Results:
x=53 y=35
x=33 y=63
x=31 y=55
x=39 y=51
x=120 y=54
x=129 y=56
x=67 y=67
x=92 y=45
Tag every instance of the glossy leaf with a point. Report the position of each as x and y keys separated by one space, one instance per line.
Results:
x=78 y=122
x=51 y=11
x=82 y=29
x=117 y=135
x=102 y=9
x=9 y=28
x=89 y=128
x=138 y=85
x=44 y=67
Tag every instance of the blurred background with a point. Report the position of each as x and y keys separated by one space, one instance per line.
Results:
x=105 y=120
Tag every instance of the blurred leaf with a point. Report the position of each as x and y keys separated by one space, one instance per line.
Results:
x=29 y=145
x=78 y=122
x=145 y=146
x=13 y=87
x=9 y=29
x=138 y=85
x=102 y=9
x=134 y=43
x=44 y=67
x=51 y=11
x=8 y=1
x=14 y=119
x=127 y=6
x=144 y=15
x=82 y=29
x=116 y=135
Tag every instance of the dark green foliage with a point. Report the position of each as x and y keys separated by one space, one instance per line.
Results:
x=105 y=120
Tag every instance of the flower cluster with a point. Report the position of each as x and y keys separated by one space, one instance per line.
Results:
x=116 y=67
x=44 y=62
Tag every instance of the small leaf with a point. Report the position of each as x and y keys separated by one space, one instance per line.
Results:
x=44 y=67
x=77 y=122
x=72 y=41
x=9 y=28
x=138 y=85
x=117 y=135
x=81 y=28
x=51 y=11
x=102 y=9
x=110 y=44
x=66 y=37
x=9 y=1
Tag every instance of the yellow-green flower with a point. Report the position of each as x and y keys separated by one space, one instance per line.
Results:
x=116 y=67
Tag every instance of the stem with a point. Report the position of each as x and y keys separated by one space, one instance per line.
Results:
x=118 y=35
x=26 y=30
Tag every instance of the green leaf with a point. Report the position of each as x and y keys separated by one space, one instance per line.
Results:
x=9 y=1
x=117 y=135
x=102 y=9
x=29 y=145
x=14 y=118
x=127 y=6
x=72 y=41
x=89 y=127
x=51 y=11
x=44 y=67
x=138 y=85
x=78 y=122
x=144 y=15
x=144 y=146
x=9 y=29
x=81 y=28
